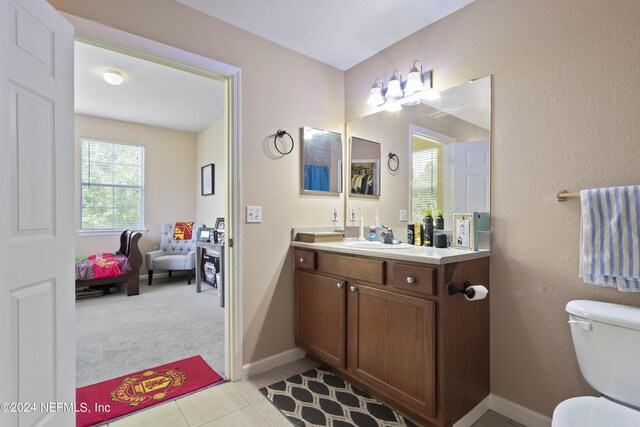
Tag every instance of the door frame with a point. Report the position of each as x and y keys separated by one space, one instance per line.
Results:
x=102 y=35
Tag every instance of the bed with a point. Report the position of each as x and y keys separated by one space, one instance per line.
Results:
x=122 y=266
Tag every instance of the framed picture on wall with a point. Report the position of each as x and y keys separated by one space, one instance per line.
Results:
x=463 y=233
x=207 y=180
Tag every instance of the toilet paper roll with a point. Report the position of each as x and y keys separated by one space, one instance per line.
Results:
x=479 y=292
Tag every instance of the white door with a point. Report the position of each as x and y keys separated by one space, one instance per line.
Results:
x=37 y=347
x=471 y=174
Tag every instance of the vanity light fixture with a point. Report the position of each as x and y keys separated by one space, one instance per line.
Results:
x=113 y=77
x=394 y=87
x=417 y=88
x=375 y=94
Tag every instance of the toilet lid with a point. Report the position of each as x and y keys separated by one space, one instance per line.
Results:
x=590 y=411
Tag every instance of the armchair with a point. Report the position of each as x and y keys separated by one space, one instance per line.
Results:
x=173 y=254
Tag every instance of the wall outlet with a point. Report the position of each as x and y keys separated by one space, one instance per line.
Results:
x=254 y=214
x=403 y=215
x=334 y=213
x=352 y=214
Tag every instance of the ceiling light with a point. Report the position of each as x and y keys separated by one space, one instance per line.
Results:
x=414 y=79
x=394 y=88
x=375 y=94
x=113 y=77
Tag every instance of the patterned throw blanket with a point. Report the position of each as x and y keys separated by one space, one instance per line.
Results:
x=101 y=265
x=183 y=231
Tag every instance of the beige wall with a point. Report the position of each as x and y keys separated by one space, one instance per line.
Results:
x=211 y=148
x=169 y=179
x=565 y=115
x=281 y=89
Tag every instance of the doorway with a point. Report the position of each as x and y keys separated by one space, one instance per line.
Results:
x=115 y=40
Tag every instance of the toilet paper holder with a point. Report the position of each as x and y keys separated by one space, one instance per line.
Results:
x=467 y=290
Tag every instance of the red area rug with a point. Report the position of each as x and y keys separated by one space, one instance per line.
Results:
x=115 y=398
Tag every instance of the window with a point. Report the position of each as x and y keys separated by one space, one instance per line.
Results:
x=111 y=186
x=426 y=185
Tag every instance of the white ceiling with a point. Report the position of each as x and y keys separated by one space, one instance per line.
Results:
x=151 y=94
x=340 y=33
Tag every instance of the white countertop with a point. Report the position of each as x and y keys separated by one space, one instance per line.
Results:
x=422 y=254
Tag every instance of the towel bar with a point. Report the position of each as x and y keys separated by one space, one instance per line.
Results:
x=563 y=195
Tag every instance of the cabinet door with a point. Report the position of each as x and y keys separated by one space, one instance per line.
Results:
x=392 y=345
x=321 y=317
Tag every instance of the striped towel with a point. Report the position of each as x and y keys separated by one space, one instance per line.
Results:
x=609 y=244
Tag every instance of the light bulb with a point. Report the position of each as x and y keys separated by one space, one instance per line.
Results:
x=375 y=96
x=113 y=77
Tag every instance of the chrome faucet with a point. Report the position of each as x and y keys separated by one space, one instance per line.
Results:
x=387 y=235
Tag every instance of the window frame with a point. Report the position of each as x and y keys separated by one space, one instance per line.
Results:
x=113 y=230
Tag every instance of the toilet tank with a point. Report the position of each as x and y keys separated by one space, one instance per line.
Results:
x=606 y=338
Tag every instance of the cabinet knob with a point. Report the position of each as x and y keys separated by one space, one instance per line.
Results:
x=410 y=280
x=353 y=288
x=303 y=260
x=340 y=285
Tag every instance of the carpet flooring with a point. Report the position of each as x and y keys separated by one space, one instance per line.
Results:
x=168 y=321
x=320 y=398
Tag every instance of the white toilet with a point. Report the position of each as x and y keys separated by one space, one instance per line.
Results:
x=607 y=342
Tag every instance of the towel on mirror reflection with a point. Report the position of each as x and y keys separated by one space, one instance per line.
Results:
x=609 y=243
x=316 y=177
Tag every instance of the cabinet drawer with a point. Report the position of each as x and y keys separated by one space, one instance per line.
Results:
x=413 y=278
x=305 y=260
x=367 y=270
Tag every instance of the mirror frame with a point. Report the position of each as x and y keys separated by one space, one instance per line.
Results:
x=340 y=184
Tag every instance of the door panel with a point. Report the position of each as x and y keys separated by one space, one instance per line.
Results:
x=36 y=211
x=320 y=317
x=472 y=169
x=392 y=345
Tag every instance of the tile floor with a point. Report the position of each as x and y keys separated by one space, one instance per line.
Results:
x=241 y=404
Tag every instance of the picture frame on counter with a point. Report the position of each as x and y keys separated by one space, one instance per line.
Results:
x=205 y=234
x=463 y=231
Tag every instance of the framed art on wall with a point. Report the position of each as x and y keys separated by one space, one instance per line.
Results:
x=207 y=180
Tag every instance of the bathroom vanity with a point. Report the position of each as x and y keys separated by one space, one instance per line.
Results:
x=384 y=320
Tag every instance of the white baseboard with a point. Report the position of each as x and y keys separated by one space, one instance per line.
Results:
x=518 y=412
x=475 y=414
x=271 y=362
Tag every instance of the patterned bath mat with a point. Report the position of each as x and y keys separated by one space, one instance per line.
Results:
x=320 y=398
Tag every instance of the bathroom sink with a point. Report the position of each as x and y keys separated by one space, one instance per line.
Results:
x=366 y=244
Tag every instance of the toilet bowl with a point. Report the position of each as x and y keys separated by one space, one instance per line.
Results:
x=606 y=338
x=589 y=411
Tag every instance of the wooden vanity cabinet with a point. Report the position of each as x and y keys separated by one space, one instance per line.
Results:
x=391 y=345
x=391 y=328
x=321 y=317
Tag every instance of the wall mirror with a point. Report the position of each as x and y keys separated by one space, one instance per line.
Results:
x=365 y=168
x=321 y=162
x=443 y=148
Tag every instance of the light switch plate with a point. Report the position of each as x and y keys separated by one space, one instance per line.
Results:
x=403 y=215
x=353 y=214
x=254 y=214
